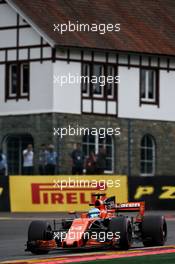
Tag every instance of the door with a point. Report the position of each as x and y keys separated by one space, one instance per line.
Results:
x=13 y=146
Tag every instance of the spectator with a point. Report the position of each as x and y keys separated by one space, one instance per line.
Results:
x=51 y=160
x=3 y=164
x=77 y=160
x=91 y=164
x=42 y=159
x=101 y=161
x=28 y=160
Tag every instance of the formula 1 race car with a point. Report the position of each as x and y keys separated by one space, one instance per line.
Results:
x=102 y=225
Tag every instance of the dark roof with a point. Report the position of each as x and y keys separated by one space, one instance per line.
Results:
x=147 y=26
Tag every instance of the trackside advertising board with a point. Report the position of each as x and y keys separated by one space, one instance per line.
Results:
x=4 y=194
x=63 y=193
x=158 y=192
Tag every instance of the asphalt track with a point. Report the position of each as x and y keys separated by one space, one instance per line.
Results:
x=13 y=235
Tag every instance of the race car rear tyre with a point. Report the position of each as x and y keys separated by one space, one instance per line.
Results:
x=38 y=230
x=154 y=230
x=122 y=226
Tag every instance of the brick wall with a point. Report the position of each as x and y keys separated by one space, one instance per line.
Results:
x=40 y=126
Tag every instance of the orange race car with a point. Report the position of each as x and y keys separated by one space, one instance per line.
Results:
x=102 y=225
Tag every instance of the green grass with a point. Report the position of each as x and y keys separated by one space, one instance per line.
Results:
x=154 y=259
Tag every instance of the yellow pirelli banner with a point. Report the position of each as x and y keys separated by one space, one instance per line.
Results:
x=63 y=193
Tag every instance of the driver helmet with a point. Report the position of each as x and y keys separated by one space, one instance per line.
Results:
x=94 y=212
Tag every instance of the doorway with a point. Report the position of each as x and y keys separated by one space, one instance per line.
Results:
x=13 y=146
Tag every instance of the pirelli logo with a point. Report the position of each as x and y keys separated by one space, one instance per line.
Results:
x=63 y=193
x=165 y=192
x=45 y=193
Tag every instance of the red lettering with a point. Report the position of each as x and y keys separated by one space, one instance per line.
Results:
x=44 y=193
x=57 y=198
x=37 y=189
x=45 y=198
x=71 y=198
x=83 y=199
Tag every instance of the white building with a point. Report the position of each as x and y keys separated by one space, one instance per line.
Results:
x=33 y=57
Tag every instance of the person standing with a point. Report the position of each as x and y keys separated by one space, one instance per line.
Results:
x=77 y=160
x=3 y=164
x=91 y=164
x=51 y=160
x=42 y=159
x=101 y=161
x=28 y=156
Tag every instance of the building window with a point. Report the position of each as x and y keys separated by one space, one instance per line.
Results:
x=85 y=79
x=93 y=143
x=147 y=156
x=99 y=80
x=17 y=81
x=24 y=79
x=13 y=80
x=149 y=86
x=110 y=85
x=98 y=86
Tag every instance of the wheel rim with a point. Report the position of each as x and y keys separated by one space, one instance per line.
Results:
x=164 y=231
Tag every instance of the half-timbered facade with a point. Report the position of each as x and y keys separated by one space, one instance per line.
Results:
x=141 y=103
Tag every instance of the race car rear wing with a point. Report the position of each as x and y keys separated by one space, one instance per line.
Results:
x=131 y=207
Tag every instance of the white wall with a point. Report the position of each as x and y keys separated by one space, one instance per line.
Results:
x=2 y=86
x=46 y=96
x=8 y=16
x=41 y=91
x=27 y=36
x=7 y=38
x=128 y=96
x=67 y=98
x=41 y=75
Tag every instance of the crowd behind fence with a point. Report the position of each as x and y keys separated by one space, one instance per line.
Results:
x=48 y=161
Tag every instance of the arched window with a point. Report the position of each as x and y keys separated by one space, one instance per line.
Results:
x=94 y=142
x=147 y=162
x=13 y=145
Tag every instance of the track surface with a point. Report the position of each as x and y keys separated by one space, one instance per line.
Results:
x=13 y=235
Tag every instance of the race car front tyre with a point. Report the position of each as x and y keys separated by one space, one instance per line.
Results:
x=121 y=227
x=154 y=230
x=38 y=230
